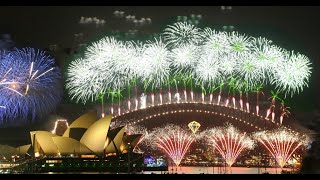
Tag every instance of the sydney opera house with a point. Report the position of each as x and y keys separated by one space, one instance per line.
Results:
x=88 y=144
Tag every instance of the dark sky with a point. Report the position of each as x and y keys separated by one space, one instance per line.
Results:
x=40 y=26
x=291 y=27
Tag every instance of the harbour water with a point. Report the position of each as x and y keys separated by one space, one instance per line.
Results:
x=198 y=170
x=220 y=170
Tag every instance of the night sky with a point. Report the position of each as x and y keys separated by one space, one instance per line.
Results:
x=291 y=27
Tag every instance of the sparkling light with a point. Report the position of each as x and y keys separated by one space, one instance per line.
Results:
x=292 y=75
x=281 y=143
x=185 y=56
x=229 y=142
x=154 y=64
x=30 y=86
x=184 y=59
x=173 y=140
x=182 y=33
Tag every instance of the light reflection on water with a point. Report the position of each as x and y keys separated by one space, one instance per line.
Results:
x=220 y=170
x=199 y=170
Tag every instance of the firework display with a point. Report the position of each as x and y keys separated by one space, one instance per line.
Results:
x=189 y=98
x=281 y=143
x=182 y=33
x=173 y=140
x=190 y=58
x=229 y=142
x=31 y=85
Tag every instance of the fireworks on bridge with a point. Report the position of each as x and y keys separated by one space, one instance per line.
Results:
x=229 y=142
x=173 y=140
x=281 y=143
x=191 y=58
x=31 y=86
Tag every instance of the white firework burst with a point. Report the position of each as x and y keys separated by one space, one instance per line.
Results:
x=239 y=43
x=185 y=57
x=208 y=71
x=155 y=64
x=96 y=73
x=124 y=60
x=293 y=75
x=216 y=42
x=268 y=57
x=188 y=54
x=85 y=81
x=182 y=33
x=123 y=66
x=247 y=70
x=227 y=64
x=102 y=50
x=135 y=49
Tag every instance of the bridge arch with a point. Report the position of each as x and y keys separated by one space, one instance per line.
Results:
x=207 y=114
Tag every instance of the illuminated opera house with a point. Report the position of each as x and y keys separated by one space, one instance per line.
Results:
x=87 y=144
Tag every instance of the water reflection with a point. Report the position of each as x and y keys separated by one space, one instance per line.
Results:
x=219 y=170
x=199 y=170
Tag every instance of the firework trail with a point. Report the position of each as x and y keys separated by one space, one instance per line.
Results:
x=173 y=140
x=281 y=143
x=229 y=142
